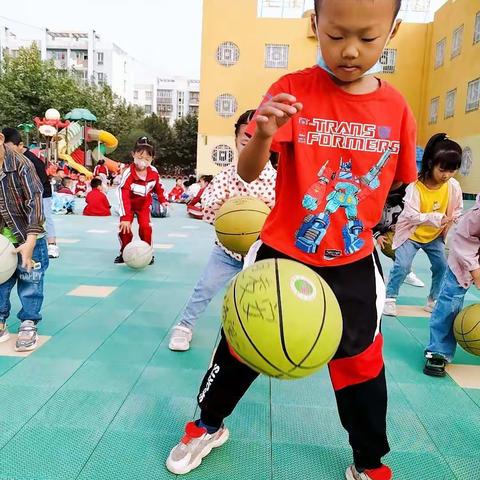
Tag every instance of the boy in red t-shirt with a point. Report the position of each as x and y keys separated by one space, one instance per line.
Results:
x=138 y=182
x=345 y=138
x=177 y=191
x=97 y=201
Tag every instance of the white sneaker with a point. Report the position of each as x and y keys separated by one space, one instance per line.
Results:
x=194 y=446
x=53 y=251
x=430 y=305
x=4 y=335
x=413 y=280
x=390 y=307
x=180 y=339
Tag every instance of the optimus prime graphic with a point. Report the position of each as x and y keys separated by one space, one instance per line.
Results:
x=348 y=191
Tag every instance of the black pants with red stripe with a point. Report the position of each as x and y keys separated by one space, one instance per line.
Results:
x=357 y=371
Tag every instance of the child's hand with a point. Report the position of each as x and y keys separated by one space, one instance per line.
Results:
x=275 y=113
x=26 y=252
x=446 y=221
x=125 y=227
x=381 y=240
x=476 y=277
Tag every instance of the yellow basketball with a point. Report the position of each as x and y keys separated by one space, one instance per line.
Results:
x=239 y=222
x=282 y=319
x=467 y=329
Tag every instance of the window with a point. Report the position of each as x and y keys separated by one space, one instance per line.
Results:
x=282 y=8
x=194 y=97
x=450 y=103
x=135 y=94
x=457 y=42
x=148 y=109
x=276 y=56
x=164 y=96
x=467 y=161
x=222 y=155
x=228 y=54
x=100 y=58
x=193 y=110
x=101 y=78
x=476 y=33
x=226 y=105
x=440 y=53
x=434 y=104
x=148 y=95
x=389 y=60
x=473 y=95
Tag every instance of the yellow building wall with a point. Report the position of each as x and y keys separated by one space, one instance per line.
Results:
x=455 y=73
x=236 y=21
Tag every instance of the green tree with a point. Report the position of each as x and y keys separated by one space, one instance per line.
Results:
x=162 y=135
x=185 y=142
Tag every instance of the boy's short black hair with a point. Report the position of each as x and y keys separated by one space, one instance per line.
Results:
x=95 y=183
x=398 y=5
x=12 y=135
x=66 y=181
x=81 y=175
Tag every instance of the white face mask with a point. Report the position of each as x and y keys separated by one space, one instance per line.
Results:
x=140 y=163
x=377 y=68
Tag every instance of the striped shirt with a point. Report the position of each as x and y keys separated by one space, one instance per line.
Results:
x=20 y=196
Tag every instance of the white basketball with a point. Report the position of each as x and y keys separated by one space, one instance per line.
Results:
x=8 y=259
x=138 y=254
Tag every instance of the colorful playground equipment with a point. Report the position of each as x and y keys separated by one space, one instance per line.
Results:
x=66 y=144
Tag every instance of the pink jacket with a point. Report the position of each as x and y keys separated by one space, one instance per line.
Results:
x=411 y=217
x=465 y=246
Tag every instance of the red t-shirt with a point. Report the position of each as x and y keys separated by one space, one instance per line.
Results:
x=338 y=159
x=97 y=204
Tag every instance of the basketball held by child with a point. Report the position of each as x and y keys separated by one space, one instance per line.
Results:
x=282 y=319
x=467 y=329
x=8 y=259
x=239 y=222
x=137 y=254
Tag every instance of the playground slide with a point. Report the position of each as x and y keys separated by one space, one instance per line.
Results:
x=62 y=155
x=108 y=143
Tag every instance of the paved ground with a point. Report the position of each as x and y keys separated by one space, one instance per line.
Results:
x=104 y=398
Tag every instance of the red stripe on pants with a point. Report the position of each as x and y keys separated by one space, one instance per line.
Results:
x=360 y=368
x=144 y=228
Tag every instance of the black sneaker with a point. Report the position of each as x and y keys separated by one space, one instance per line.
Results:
x=119 y=259
x=152 y=261
x=435 y=365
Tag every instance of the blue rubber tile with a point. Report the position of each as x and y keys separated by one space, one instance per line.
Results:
x=159 y=381
x=297 y=461
x=46 y=452
x=82 y=409
x=130 y=456
x=307 y=426
x=104 y=377
x=144 y=413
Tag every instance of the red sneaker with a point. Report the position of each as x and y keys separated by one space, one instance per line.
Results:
x=380 y=473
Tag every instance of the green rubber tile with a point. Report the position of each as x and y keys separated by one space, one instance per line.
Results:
x=313 y=391
x=457 y=434
x=464 y=467
x=236 y=460
x=312 y=462
x=46 y=452
x=406 y=432
x=441 y=399
x=140 y=333
x=259 y=391
x=420 y=466
x=464 y=358
x=307 y=426
x=146 y=413
x=105 y=377
x=6 y=363
x=79 y=408
x=474 y=395
x=130 y=456
x=250 y=422
x=396 y=398
x=21 y=402
x=40 y=372
x=126 y=296
x=119 y=352
x=178 y=383
x=195 y=358
x=159 y=317
x=410 y=370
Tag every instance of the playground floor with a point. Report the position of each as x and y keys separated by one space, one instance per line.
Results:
x=104 y=399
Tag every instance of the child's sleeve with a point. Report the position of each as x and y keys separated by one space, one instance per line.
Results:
x=411 y=211
x=126 y=214
x=285 y=133
x=33 y=191
x=406 y=171
x=159 y=191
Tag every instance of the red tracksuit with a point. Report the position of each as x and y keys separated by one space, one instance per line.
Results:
x=135 y=199
x=97 y=204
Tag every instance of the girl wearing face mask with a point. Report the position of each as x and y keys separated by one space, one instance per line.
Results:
x=138 y=182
